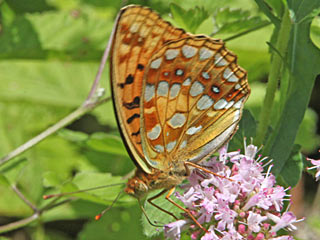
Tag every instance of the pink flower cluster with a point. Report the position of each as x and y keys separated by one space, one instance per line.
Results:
x=316 y=165
x=242 y=202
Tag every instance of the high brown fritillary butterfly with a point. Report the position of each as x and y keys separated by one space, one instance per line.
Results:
x=178 y=97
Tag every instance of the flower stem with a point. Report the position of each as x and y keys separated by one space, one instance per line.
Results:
x=18 y=224
x=274 y=77
x=36 y=215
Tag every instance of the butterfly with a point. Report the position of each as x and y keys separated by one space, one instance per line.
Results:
x=178 y=98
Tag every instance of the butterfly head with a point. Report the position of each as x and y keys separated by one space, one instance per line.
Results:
x=136 y=187
x=142 y=183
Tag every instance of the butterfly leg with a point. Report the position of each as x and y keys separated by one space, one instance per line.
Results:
x=186 y=164
x=146 y=215
x=160 y=208
x=171 y=191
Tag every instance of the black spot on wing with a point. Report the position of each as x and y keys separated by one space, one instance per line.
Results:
x=134 y=104
x=140 y=67
x=134 y=116
x=129 y=80
x=136 y=133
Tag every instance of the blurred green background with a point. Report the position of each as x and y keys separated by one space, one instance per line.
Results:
x=49 y=55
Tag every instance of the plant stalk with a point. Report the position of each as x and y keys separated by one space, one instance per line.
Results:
x=274 y=77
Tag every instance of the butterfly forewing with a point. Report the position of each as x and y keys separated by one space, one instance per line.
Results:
x=140 y=32
x=193 y=94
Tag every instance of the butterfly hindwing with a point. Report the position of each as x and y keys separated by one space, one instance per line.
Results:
x=193 y=94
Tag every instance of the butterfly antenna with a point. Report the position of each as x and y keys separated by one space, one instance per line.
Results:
x=97 y=217
x=45 y=197
x=146 y=215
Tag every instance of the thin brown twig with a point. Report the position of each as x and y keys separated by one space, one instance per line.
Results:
x=104 y=59
x=19 y=223
x=23 y=198
x=23 y=222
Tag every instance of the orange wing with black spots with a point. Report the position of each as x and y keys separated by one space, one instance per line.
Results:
x=140 y=33
x=177 y=96
x=193 y=95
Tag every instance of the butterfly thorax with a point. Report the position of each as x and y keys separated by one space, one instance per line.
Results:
x=142 y=183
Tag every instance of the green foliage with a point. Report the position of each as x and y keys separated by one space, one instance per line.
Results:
x=54 y=34
x=292 y=171
x=189 y=20
x=276 y=6
x=122 y=225
x=107 y=143
x=247 y=130
x=10 y=173
x=50 y=52
x=234 y=21
x=315 y=31
x=158 y=216
x=303 y=59
x=105 y=195
x=306 y=136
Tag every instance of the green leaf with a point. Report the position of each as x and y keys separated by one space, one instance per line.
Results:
x=304 y=60
x=247 y=130
x=190 y=19
x=12 y=170
x=59 y=86
x=315 y=13
x=55 y=34
x=277 y=6
x=315 y=31
x=51 y=179
x=52 y=83
x=97 y=188
x=307 y=136
x=105 y=195
x=73 y=136
x=303 y=10
x=268 y=12
x=233 y=21
x=7 y=14
x=292 y=170
x=117 y=223
x=107 y=143
x=29 y=6
x=4 y=181
x=157 y=215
